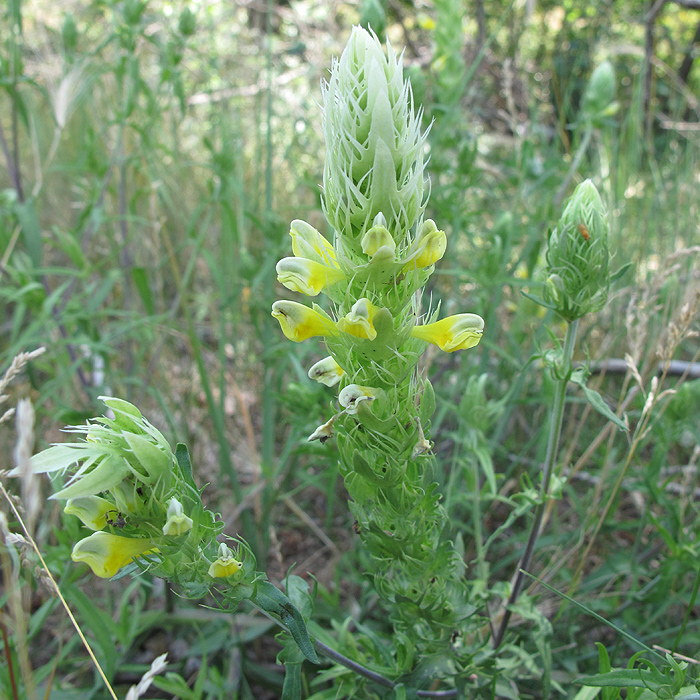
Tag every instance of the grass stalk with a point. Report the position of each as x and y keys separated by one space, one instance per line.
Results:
x=556 y=419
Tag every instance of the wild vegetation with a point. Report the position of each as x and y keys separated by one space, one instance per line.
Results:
x=156 y=154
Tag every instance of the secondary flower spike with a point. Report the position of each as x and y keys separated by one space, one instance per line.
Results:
x=459 y=332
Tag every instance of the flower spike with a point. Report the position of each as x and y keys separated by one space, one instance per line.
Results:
x=459 y=332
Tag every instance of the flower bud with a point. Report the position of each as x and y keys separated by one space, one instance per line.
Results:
x=599 y=99
x=359 y=321
x=187 y=23
x=177 y=522
x=326 y=371
x=578 y=276
x=378 y=240
x=459 y=332
x=225 y=565
x=105 y=553
x=299 y=322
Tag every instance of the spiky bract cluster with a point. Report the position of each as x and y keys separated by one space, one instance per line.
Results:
x=578 y=257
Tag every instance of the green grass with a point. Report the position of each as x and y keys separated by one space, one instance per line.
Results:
x=143 y=237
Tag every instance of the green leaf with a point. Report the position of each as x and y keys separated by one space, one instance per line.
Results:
x=182 y=455
x=587 y=693
x=291 y=690
x=427 y=403
x=271 y=600
x=620 y=273
x=538 y=300
x=595 y=615
x=140 y=278
x=31 y=230
x=578 y=376
x=625 y=678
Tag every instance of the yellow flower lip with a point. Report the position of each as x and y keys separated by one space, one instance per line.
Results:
x=299 y=322
x=226 y=565
x=306 y=276
x=105 y=553
x=459 y=332
x=359 y=321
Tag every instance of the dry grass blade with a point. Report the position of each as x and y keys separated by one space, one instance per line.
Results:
x=57 y=590
x=158 y=665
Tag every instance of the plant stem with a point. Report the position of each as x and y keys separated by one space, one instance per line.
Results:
x=555 y=423
x=583 y=147
x=374 y=676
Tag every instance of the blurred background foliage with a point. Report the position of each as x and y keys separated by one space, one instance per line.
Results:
x=153 y=156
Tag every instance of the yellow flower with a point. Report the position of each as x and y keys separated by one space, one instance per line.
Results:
x=459 y=332
x=359 y=321
x=177 y=522
x=428 y=248
x=225 y=565
x=308 y=243
x=299 y=322
x=105 y=553
x=306 y=276
x=326 y=371
x=91 y=510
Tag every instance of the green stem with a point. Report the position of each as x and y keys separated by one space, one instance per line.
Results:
x=583 y=147
x=555 y=423
x=691 y=605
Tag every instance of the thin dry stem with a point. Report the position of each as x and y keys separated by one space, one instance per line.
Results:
x=57 y=590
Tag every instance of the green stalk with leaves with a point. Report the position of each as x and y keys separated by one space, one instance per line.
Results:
x=577 y=283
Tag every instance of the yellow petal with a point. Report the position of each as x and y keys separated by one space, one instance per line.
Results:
x=359 y=321
x=299 y=322
x=105 y=553
x=458 y=332
x=308 y=243
x=307 y=276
